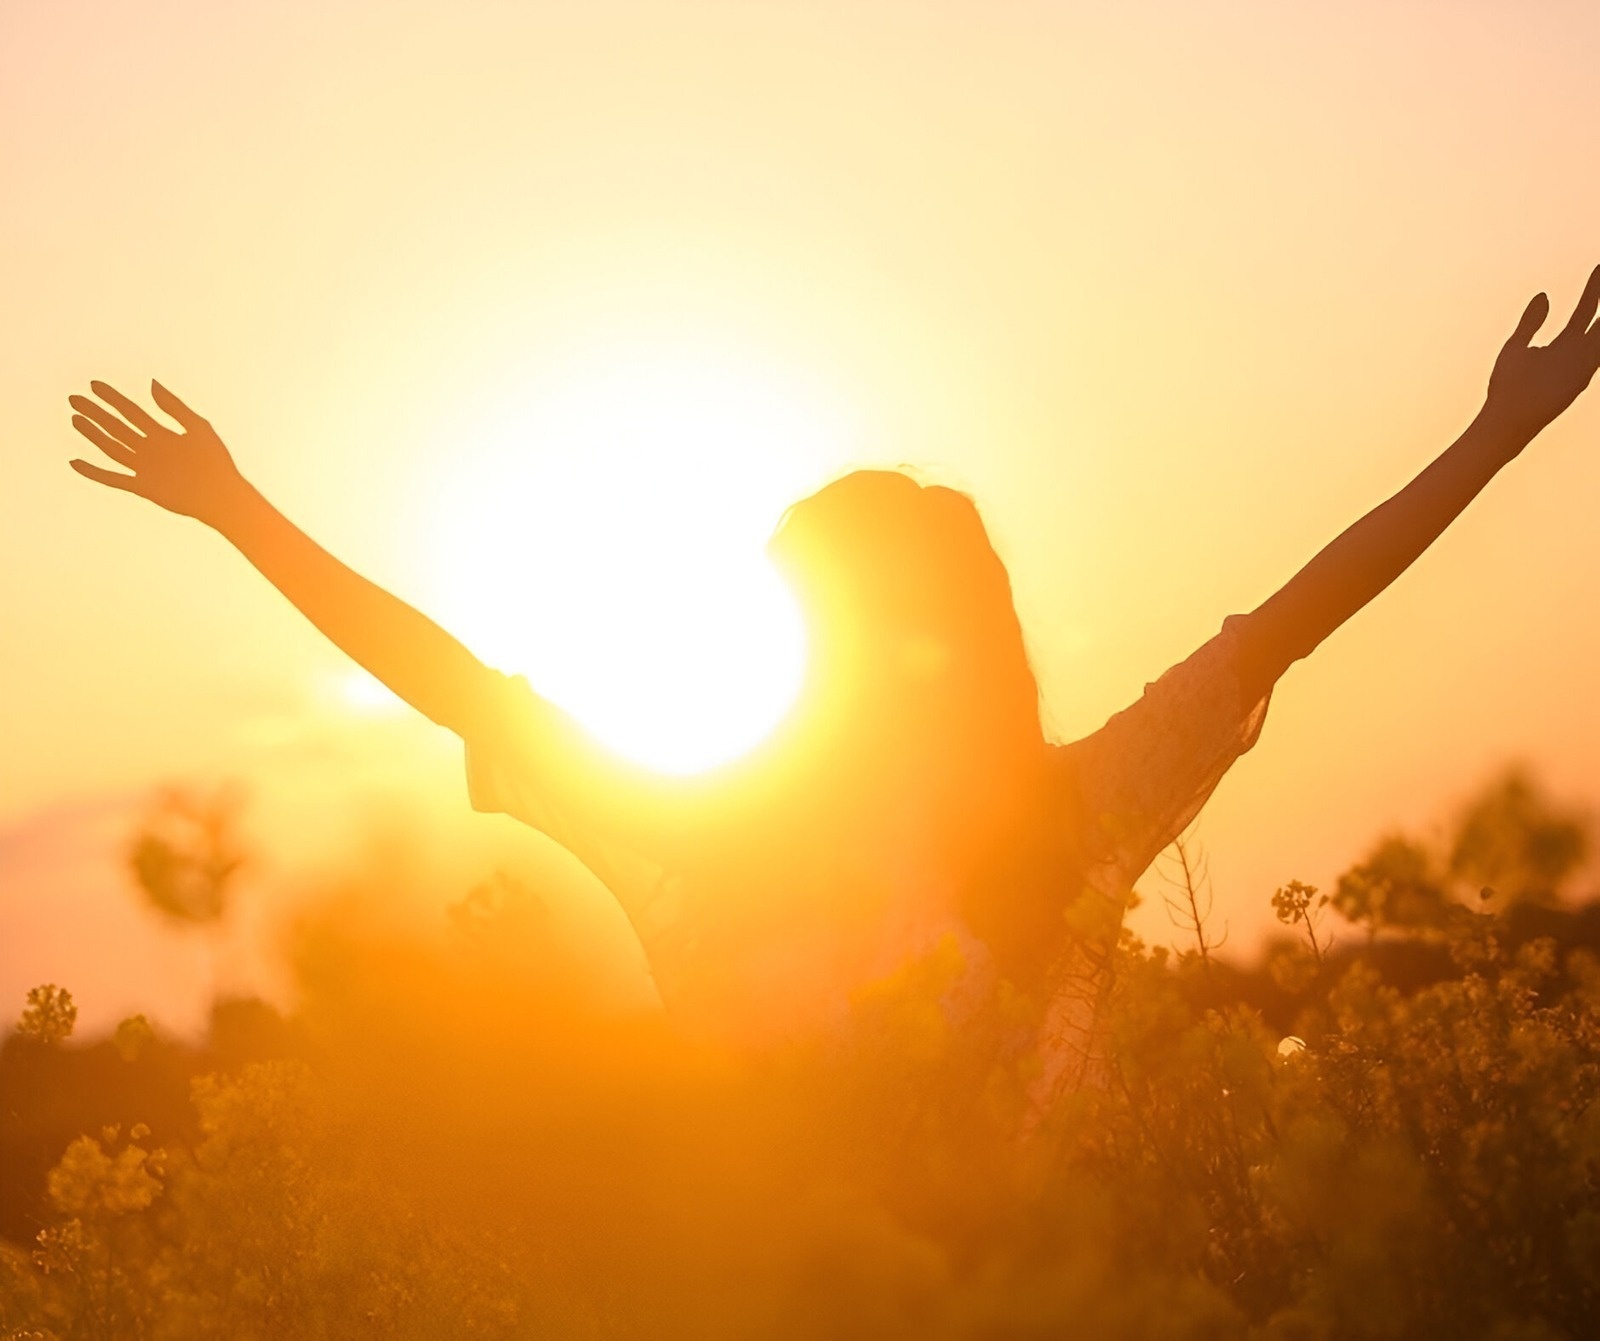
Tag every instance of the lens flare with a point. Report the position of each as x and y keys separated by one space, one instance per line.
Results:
x=602 y=529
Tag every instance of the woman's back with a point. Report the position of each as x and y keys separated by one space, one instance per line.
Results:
x=771 y=896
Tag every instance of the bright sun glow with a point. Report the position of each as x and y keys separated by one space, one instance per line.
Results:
x=603 y=532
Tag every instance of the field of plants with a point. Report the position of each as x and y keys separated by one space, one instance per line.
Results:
x=1384 y=1126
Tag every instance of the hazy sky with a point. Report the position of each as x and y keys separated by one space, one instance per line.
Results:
x=1177 y=291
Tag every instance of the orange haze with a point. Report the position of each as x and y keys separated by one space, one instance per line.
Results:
x=1175 y=291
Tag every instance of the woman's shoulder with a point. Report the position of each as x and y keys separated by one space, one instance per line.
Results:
x=1140 y=779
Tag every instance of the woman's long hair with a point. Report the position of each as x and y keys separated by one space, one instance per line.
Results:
x=923 y=680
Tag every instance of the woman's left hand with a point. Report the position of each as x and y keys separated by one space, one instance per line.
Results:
x=1532 y=384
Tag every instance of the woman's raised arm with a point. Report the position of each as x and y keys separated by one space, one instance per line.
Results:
x=1529 y=387
x=189 y=471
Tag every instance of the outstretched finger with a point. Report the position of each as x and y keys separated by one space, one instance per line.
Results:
x=117 y=451
x=1588 y=304
x=175 y=407
x=123 y=433
x=130 y=410
x=1533 y=317
x=99 y=475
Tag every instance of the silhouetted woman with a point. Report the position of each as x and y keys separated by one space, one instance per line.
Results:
x=909 y=805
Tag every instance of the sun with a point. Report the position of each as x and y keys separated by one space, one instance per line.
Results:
x=602 y=528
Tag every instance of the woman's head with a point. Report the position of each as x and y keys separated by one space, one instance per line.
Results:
x=916 y=645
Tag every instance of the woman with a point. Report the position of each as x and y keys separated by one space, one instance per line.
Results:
x=910 y=805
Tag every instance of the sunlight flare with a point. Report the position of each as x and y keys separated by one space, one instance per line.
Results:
x=603 y=528
x=359 y=692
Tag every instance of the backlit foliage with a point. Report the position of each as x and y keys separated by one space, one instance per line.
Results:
x=449 y=1138
x=186 y=855
x=50 y=1014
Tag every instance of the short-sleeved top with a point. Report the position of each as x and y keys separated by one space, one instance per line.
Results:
x=1130 y=789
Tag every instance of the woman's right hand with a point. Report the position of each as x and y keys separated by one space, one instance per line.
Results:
x=188 y=472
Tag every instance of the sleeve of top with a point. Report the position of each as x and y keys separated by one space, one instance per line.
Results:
x=532 y=761
x=1143 y=777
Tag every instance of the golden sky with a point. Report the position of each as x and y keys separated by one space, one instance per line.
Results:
x=1176 y=291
